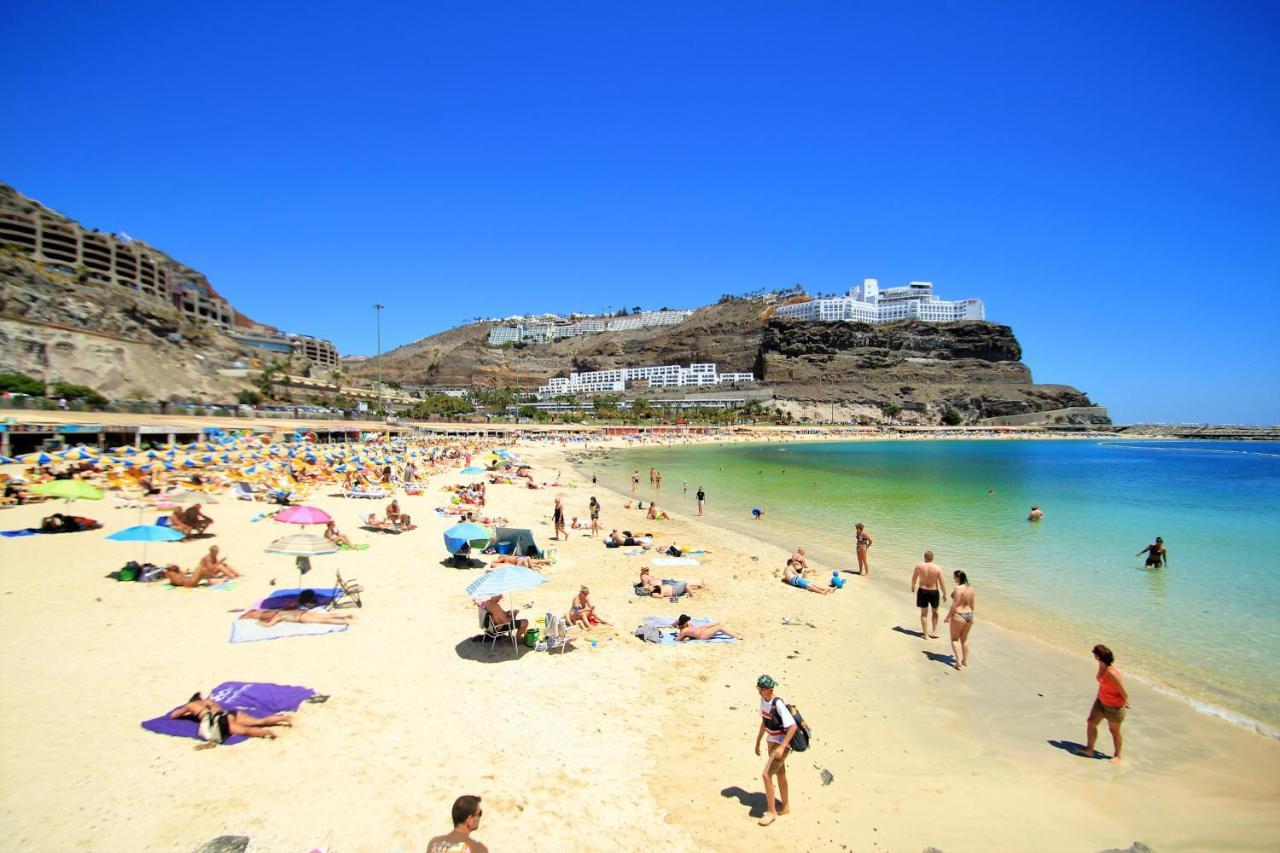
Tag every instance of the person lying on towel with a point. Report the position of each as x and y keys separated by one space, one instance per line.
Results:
x=239 y=722
x=669 y=587
x=689 y=631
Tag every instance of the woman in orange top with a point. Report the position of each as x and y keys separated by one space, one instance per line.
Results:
x=1111 y=701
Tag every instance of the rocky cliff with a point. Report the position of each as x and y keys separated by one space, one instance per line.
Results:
x=920 y=368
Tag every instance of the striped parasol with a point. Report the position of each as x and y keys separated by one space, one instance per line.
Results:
x=302 y=545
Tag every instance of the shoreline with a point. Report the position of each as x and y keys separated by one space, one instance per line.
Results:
x=1005 y=617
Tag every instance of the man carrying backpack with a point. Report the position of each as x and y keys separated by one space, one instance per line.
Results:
x=777 y=721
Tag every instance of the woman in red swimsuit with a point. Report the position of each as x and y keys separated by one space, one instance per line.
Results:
x=1111 y=702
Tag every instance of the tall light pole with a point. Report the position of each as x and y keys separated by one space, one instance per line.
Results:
x=378 y=309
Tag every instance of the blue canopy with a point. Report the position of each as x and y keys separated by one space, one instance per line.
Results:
x=467 y=533
x=147 y=533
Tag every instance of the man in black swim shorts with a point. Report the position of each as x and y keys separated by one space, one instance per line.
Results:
x=926 y=583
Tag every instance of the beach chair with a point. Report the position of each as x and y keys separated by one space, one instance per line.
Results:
x=558 y=632
x=493 y=632
x=349 y=593
x=244 y=492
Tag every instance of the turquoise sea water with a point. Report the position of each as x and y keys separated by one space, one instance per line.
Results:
x=1207 y=626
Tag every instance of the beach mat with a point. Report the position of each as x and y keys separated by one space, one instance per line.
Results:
x=25 y=531
x=666 y=637
x=252 y=631
x=674 y=561
x=258 y=699
x=287 y=599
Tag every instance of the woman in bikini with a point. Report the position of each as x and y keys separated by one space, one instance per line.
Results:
x=863 y=543
x=960 y=618
x=582 y=611
x=336 y=536
x=594 y=507
x=689 y=631
x=239 y=722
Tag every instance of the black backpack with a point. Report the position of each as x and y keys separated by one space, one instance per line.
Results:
x=800 y=740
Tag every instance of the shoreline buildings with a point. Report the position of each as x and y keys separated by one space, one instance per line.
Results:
x=548 y=328
x=617 y=380
x=867 y=303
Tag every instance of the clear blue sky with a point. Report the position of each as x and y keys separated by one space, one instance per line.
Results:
x=1099 y=173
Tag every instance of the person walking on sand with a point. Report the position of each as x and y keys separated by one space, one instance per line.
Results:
x=635 y=480
x=1111 y=702
x=960 y=618
x=861 y=543
x=594 y=508
x=466 y=820
x=775 y=721
x=1157 y=554
x=926 y=583
x=557 y=518
x=702 y=499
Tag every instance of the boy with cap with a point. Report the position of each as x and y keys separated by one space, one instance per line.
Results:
x=778 y=723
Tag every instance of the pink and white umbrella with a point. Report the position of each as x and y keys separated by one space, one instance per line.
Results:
x=303 y=515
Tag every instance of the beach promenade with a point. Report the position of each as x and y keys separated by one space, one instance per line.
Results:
x=615 y=744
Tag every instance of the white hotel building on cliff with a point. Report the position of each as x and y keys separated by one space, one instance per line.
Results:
x=867 y=303
x=615 y=381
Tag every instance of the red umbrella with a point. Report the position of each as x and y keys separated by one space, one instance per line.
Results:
x=303 y=515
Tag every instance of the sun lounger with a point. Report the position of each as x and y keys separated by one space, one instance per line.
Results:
x=371 y=494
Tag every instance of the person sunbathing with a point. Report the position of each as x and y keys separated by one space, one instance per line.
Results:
x=378 y=524
x=396 y=517
x=189 y=578
x=499 y=617
x=655 y=514
x=336 y=536
x=582 y=611
x=190 y=521
x=238 y=722
x=688 y=631
x=271 y=617
x=669 y=587
x=794 y=575
x=513 y=560
x=213 y=565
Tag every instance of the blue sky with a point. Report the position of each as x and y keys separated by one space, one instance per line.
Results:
x=1099 y=173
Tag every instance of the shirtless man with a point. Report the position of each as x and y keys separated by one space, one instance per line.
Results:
x=668 y=586
x=794 y=575
x=502 y=617
x=1036 y=513
x=512 y=560
x=929 y=594
x=213 y=565
x=689 y=631
x=798 y=560
x=1157 y=554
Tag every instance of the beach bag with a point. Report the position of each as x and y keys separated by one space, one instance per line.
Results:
x=214 y=727
x=531 y=637
x=800 y=740
x=129 y=572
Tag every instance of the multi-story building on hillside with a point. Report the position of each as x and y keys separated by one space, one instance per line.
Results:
x=318 y=351
x=546 y=328
x=114 y=260
x=618 y=379
x=867 y=303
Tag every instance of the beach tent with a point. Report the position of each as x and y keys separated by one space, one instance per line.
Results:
x=516 y=540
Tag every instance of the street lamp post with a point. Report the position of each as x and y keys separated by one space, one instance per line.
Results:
x=378 y=309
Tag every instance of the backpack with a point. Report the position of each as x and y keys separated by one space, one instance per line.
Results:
x=800 y=740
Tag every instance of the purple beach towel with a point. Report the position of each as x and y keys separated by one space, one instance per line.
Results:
x=287 y=599
x=255 y=698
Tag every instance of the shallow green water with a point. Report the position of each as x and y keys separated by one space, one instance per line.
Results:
x=1207 y=626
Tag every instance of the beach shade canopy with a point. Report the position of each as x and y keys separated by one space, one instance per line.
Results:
x=38 y=458
x=147 y=533
x=303 y=515
x=516 y=540
x=8 y=460
x=467 y=533
x=302 y=545
x=69 y=489
x=504 y=580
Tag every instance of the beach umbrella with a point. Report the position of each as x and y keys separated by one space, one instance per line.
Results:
x=504 y=580
x=146 y=533
x=302 y=545
x=68 y=489
x=303 y=515
x=467 y=533
x=8 y=460
x=38 y=458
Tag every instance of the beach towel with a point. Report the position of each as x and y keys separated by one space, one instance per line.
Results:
x=224 y=585
x=255 y=698
x=362 y=546
x=251 y=630
x=287 y=599
x=661 y=630
x=25 y=531
x=674 y=561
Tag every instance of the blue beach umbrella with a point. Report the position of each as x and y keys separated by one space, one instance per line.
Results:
x=37 y=458
x=8 y=460
x=146 y=533
x=504 y=580
x=467 y=533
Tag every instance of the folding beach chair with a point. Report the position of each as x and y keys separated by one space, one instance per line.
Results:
x=349 y=593
x=493 y=632
x=557 y=632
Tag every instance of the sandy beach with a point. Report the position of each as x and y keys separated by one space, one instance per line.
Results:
x=613 y=744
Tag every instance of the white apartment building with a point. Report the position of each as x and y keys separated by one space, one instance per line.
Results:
x=544 y=329
x=867 y=303
x=617 y=379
